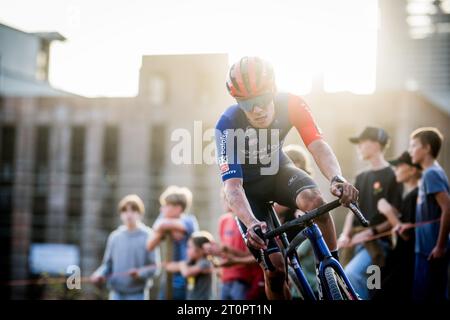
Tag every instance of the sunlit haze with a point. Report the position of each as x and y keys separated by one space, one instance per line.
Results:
x=106 y=39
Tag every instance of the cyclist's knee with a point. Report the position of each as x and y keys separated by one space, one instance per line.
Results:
x=309 y=199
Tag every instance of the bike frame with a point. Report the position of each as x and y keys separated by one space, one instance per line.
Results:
x=322 y=255
x=326 y=260
x=294 y=261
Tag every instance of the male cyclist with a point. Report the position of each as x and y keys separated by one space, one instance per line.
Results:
x=265 y=116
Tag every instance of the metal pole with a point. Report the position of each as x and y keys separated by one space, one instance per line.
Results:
x=168 y=257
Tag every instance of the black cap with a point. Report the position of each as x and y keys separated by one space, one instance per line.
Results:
x=372 y=133
x=405 y=157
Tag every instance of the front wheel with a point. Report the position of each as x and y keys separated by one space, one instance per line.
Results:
x=337 y=287
x=332 y=284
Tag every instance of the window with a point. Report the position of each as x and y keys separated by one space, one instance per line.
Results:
x=156 y=165
x=7 y=158
x=41 y=181
x=109 y=179
x=157 y=147
x=42 y=63
x=75 y=205
x=8 y=135
x=157 y=90
x=425 y=17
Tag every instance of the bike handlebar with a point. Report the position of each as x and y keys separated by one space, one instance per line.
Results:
x=308 y=216
x=266 y=262
x=259 y=232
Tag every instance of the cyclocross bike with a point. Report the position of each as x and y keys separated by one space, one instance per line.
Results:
x=333 y=284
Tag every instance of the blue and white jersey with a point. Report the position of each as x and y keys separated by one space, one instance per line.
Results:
x=244 y=151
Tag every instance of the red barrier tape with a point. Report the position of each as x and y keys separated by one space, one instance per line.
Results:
x=389 y=232
x=42 y=281
x=59 y=280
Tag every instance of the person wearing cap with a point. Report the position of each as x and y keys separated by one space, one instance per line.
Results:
x=398 y=273
x=373 y=184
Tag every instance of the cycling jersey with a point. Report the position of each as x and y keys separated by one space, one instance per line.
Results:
x=246 y=160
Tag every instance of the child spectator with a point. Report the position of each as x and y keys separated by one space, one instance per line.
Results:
x=398 y=273
x=127 y=265
x=197 y=269
x=432 y=240
x=239 y=267
x=179 y=225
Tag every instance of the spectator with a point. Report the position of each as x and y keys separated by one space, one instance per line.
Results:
x=197 y=269
x=374 y=184
x=176 y=223
x=127 y=265
x=239 y=267
x=398 y=273
x=432 y=240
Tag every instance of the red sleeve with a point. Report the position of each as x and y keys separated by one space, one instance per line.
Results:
x=302 y=119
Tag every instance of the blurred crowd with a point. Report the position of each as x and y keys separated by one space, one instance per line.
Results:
x=406 y=200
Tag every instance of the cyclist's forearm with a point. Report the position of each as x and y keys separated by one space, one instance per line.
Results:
x=235 y=195
x=325 y=158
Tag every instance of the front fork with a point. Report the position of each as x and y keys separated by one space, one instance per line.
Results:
x=326 y=260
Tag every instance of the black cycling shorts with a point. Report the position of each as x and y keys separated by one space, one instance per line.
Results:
x=281 y=188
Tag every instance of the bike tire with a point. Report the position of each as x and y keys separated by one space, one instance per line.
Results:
x=332 y=284
x=345 y=290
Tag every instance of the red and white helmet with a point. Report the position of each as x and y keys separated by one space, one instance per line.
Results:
x=250 y=77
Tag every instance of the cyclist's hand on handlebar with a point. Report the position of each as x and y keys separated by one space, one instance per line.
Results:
x=253 y=239
x=345 y=191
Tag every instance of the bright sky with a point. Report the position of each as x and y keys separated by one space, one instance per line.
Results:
x=106 y=38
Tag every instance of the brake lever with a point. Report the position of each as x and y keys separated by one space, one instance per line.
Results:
x=354 y=208
x=267 y=264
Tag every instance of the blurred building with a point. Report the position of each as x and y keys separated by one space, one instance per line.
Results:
x=24 y=62
x=430 y=63
x=65 y=161
x=413 y=48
